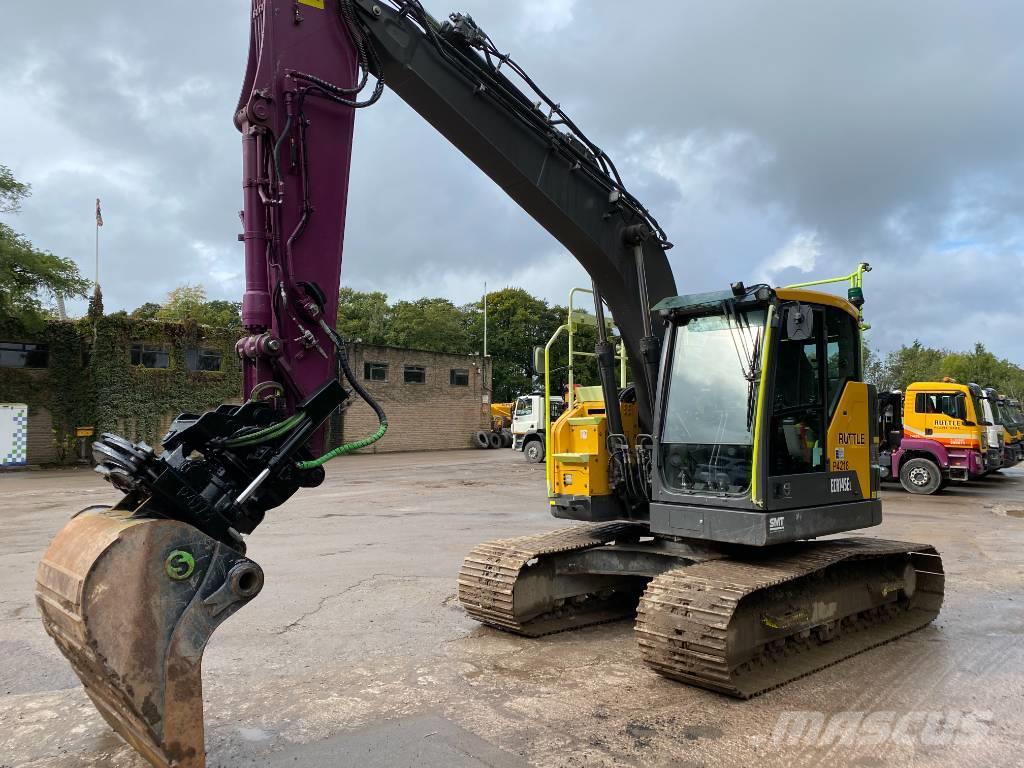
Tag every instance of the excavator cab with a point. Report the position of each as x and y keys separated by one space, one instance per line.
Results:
x=766 y=432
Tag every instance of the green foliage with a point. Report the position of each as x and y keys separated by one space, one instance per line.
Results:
x=91 y=382
x=188 y=304
x=95 y=310
x=433 y=324
x=984 y=368
x=363 y=316
x=517 y=322
x=64 y=389
x=133 y=401
x=219 y=313
x=12 y=191
x=917 y=362
x=147 y=311
x=28 y=276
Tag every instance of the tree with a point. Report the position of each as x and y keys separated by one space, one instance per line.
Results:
x=12 y=191
x=982 y=367
x=188 y=303
x=147 y=311
x=220 y=314
x=917 y=362
x=29 y=277
x=516 y=323
x=876 y=371
x=433 y=324
x=363 y=316
x=183 y=303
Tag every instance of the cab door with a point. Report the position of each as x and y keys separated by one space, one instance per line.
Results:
x=816 y=377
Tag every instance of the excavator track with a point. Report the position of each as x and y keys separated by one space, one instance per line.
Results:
x=742 y=626
x=495 y=582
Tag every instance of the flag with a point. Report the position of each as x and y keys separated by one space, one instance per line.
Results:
x=99 y=214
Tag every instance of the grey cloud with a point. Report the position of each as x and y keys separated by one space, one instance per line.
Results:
x=890 y=131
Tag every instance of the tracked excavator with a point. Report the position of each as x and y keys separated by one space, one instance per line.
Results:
x=702 y=490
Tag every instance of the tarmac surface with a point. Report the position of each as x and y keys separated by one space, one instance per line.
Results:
x=357 y=652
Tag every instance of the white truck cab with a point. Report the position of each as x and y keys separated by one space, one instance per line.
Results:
x=528 y=425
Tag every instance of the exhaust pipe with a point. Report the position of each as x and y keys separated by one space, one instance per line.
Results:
x=132 y=602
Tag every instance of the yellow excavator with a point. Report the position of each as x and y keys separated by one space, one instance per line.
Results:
x=701 y=488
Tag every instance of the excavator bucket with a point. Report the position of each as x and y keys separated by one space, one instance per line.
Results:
x=131 y=602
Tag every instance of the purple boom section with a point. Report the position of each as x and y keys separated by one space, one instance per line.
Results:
x=294 y=224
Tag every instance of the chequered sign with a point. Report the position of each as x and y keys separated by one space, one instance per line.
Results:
x=13 y=435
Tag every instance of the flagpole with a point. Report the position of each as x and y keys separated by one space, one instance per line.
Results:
x=485 y=318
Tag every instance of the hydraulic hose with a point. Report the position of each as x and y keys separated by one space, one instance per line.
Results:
x=360 y=390
x=268 y=433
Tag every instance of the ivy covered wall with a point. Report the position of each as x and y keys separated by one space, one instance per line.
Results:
x=90 y=380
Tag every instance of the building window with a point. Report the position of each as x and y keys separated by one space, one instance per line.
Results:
x=375 y=371
x=459 y=377
x=202 y=359
x=14 y=354
x=415 y=374
x=150 y=356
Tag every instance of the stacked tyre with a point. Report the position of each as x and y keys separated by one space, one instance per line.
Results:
x=485 y=439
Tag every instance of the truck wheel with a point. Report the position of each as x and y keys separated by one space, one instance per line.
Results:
x=506 y=439
x=921 y=476
x=494 y=440
x=534 y=451
x=481 y=439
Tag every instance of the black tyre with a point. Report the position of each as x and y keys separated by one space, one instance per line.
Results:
x=482 y=440
x=494 y=440
x=534 y=451
x=921 y=476
x=506 y=439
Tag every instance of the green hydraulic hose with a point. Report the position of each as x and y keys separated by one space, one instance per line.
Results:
x=268 y=433
x=343 y=449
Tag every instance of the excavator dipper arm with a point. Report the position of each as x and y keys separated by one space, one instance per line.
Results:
x=176 y=537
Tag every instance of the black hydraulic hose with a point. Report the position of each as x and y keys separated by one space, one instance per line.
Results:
x=351 y=378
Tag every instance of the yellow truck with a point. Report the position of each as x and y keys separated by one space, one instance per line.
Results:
x=934 y=433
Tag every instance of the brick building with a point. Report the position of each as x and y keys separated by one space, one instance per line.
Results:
x=433 y=400
x=133 y=377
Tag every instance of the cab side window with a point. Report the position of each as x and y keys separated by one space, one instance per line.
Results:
x=798 y=431
x=938 y=404
x=842 y=339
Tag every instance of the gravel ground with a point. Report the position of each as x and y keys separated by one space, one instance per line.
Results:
x=357 y=652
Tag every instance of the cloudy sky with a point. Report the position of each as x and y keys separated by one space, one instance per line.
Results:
x=778 y=141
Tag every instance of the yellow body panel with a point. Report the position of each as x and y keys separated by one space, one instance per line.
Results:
x=579 y=448
x=849 y=445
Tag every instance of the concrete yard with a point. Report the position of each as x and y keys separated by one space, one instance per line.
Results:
x=358 y=654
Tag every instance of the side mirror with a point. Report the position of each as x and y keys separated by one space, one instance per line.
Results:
x=799 y=322
x=538 y=361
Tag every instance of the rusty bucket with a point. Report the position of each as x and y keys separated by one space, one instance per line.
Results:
x=131 y=602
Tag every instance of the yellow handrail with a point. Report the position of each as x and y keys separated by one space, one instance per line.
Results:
x=549 y=465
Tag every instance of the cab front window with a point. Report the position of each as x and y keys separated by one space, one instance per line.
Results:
x=707 y=432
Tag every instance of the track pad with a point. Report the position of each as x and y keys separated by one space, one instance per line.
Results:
x=132 y=602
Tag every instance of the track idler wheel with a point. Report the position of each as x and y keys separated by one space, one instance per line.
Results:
x=132 y=602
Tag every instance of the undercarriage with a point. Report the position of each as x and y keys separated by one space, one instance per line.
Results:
x=731 y=619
